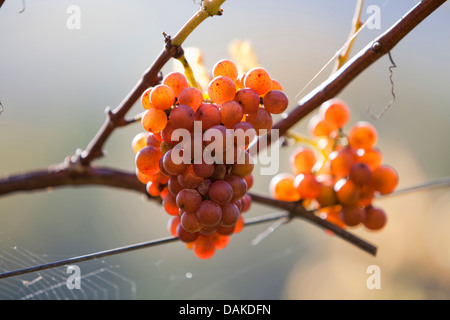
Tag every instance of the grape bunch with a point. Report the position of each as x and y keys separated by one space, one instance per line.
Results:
x=340 y=174
x=194 y=151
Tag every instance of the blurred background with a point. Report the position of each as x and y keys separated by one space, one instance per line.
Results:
x=56 y=82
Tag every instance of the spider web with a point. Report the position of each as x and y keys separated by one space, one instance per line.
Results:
x=98 y=281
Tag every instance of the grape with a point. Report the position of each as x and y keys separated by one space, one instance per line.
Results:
x=275 y=85
x=281 y=187
x=231 y=113
x=203 y=169
x=258 y=79
x=204 y=247
x=221 y=89
x=152 y=189
x=154 y=120
x=335 y=112
x=162 y=97
x=248 y=99
x=327 y=196
x=209 y=115
x=230 y=214
x=209 y=213
x=189 y=200
x=220 y=170
x=249 y=179
x=238 y=185
x=303 y=160
x=172 y=225
x=203 y=187
x=225 y=68
x=318 y=127
x=362 y=135
x=342 y=161
x=260 y=120
x=239 y=224
x=275 y=101
x=352 y=215
x=147 y=160
x=244 y=166
x=145 y=99
x=174 y=185
x=191 y=97
x=172 y=167
x=182 y=116
x=152 y=141
x=371 y=157
x=186 y=236
x=220 y=192
x=218 y=138
x=244 y=134
x=139 y=141
x=188 y=179
x=170 y=205
x=307 y=185
x=176 y=81
x=360 y=174
x=375 y=218
x=220 y=241
x=385 y=179
x=167 y=132
x=190 y=222
x=346 y=191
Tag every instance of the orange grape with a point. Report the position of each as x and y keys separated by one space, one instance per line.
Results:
x=307 y=185
x=275 y=85
x=139 y=141
x=177 y=81
x=341 y=161
x=371 y=157
x=248 y=99
x=170 y=205
x=221 y=89
x=191 y=97
x=317 y=127
x=145 y=99
x=239 y=224
x=188 y=179
x=258 y=79
x=221 y=241
x=154 y=120
x=327 y=196
x=147 y=160
x=385 y=179
x=335 y=112
x=275 y=101
x=303 y=160
x=346 y=191
x=225 y=68
x=204 y=247
x=162 y=97
x=374 y=218
x=172 y=225
x=281 y=187
x=362 y=135
x=152 y=189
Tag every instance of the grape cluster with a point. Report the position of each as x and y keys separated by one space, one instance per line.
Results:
x=340 y=174
x=194 y=152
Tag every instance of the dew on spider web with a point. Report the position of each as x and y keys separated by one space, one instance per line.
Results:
x=98 y=280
